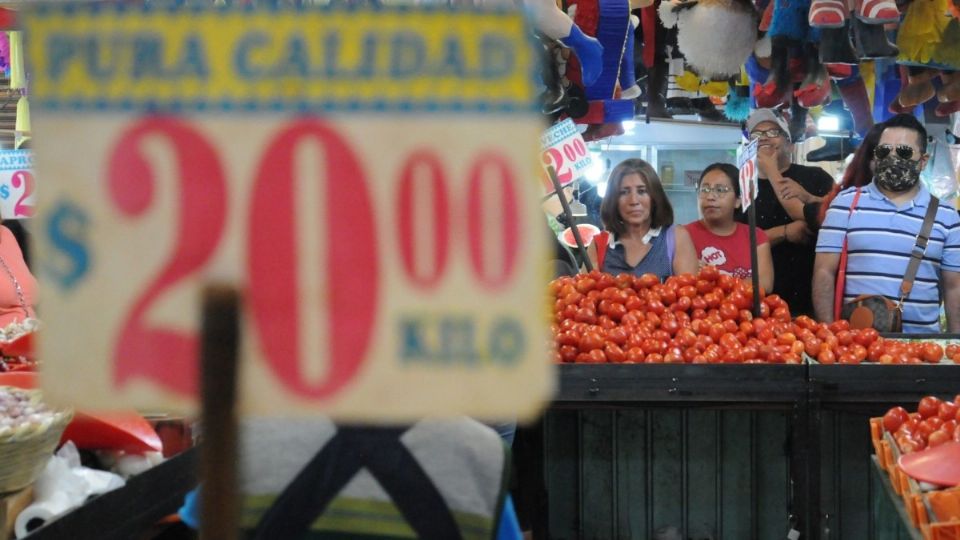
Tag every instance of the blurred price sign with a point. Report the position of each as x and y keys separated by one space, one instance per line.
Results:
x=562 y=148
x=747 y=162
x=17 y=186
x=365 y=177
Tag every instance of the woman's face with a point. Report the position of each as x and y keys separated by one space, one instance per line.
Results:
x=716 y=205
x=634 y=201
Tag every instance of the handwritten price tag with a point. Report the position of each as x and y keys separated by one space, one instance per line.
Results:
x=562 y=148
x=388 y=258
x=17 y=186
x=747 y=161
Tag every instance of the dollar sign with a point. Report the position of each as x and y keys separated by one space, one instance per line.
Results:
x=66 y=231
x=4 y=192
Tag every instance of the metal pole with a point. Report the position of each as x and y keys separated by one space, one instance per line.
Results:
x=754 y=270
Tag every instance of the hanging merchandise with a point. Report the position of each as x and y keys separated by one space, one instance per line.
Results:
x=698 y=25
x=18 y=79
x=737 y=107
x=5 y=53
x=921 y=30
x=940 y=173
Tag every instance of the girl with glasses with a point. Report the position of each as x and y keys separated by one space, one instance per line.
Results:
x=718 y=239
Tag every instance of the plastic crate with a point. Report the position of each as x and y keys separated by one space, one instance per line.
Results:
x=945 y=506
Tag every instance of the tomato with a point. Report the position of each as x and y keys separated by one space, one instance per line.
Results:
x=812 y=346
x=786 y=338
x=597 y=356
x=728 y=311
x=845 y=338
x=673 y=356
x=586 y=315
x=739 y=300
x=568 y=338
x=709 y=273
x=617 y=335
x=781 y=314
x=929 y=406
x=624 y=280
x=647 y=280
x=568 y=353
x=635 y=355
x=703 y=286
x=726 y=282
x=932 y=353
x=670 y=326
x=866 y=336
x=953 y=349
x=617 y=311
x=585 y=285
x=729 y=326
x=654 y=358
x=682 y=304
x=686 y=338
x=885 y=359
x=590 y=341
x=614 y=353
x=655 y=306
x=894 y=418
x=633 y=303
x=651 y=346
x=839 y=326
x=826 y=357
x=859 y=352
x=948 y=410
x=668 y=296
x=712 y=299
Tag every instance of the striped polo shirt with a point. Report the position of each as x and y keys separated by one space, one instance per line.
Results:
x=880 y=237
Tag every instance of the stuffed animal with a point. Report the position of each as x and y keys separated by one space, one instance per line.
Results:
x=700 y=22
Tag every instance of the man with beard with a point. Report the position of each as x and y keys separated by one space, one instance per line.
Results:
x=782 y=191
x=881 y=234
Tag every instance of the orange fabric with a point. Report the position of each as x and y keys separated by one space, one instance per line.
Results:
x=10 y=309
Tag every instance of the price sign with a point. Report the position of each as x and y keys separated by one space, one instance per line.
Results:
x=562 y=148
x=365 y=178
x=747 y=161
x=17 y=186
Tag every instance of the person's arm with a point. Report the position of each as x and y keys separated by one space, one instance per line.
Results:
x=765 y=266
x=685 y=255
x=776 y=235
x=950 y=282
x=824 y=284
x=798 y=233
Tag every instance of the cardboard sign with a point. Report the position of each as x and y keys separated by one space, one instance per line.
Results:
x=364 y=177
x=17 y=185
x=563 y=149
x=747 y=162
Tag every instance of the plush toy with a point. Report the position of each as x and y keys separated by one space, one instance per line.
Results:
x=700 y=22
x=610 y=96
x=555 y=24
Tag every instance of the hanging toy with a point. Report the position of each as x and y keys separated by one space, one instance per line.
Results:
x=552 y=22
x=699 y=22
x=609 y=22
x=737 y=108
x=921 y=30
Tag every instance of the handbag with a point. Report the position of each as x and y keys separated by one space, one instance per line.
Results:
x=878 y=311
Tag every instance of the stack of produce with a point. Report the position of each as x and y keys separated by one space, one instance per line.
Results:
x=934 y=423
x=704 y=318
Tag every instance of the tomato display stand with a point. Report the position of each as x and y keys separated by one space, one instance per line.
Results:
x=721 y=451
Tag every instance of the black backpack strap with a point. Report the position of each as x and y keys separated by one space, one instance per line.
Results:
x=380 y=451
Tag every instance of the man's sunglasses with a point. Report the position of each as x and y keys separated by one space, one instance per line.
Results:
x=904 y=151
x=766 y=133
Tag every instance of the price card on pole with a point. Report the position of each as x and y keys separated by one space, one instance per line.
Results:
x=562 y=148
x=747 y=162
x=17 y=186
x=367 y=179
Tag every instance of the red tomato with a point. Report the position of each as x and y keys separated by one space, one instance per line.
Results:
x=617 y=311
x=597 y=356
x=929 y=406
x=866 y=336
x=647 y=280
x=654 y=358
x=614 y=353
x=709 y=273
x=568 y=353
x=586 y=315
x=633 y=303
x=812 y=346
x=635 y=355
x=617 y=335
x=585 y=285
x=948 y=410
x=859 y=352
x=786 y=338
x=591 y=341
x=826 y=357
x=728 y=311
x=885 y=359
x=932 y=353
x=839 y=325
x=895 y=418
x=845 y=338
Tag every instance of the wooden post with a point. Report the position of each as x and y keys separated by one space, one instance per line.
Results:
x=219 y=352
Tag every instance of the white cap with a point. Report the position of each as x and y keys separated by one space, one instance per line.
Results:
x=767 y=115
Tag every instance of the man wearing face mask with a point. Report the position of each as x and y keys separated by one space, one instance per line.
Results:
x=783 y=190
x=881 y=234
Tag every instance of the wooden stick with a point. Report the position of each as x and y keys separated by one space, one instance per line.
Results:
x=219 y=346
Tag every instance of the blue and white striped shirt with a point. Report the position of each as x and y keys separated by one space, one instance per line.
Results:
x=880 y=238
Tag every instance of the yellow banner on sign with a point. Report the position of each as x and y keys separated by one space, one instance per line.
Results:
x=84 y=58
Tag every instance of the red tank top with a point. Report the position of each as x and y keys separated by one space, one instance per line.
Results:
x=731 y=254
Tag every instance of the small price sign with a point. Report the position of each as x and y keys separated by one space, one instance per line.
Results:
x=17 y=186
x=362 y=177
x=562 y=148
x=747 y=162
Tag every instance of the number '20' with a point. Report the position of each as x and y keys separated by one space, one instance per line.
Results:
x=352 y=292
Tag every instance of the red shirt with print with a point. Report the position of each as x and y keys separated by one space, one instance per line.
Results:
x=731 y=254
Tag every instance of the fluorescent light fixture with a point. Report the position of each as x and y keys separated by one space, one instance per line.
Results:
x=597 y=168
x=602 y=189
x=628 y=126
x=828 y=122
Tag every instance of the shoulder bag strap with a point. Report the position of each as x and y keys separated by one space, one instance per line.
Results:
x=842 y=267
x=918 y=250
x=601 y=241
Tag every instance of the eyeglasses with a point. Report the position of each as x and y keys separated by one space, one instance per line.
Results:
x=904 y=151
x=719 y=190
x=766 y=133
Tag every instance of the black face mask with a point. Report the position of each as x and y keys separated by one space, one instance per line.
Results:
x=896 y=174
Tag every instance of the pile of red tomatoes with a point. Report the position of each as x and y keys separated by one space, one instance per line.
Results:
x=703 y=318
x=934 y=423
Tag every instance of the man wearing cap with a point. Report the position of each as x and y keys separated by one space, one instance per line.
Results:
x=785 y=183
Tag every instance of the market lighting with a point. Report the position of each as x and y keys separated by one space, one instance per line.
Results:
x=597 y=168
x=628 y=127
x=828 y=123
x=601 y=189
